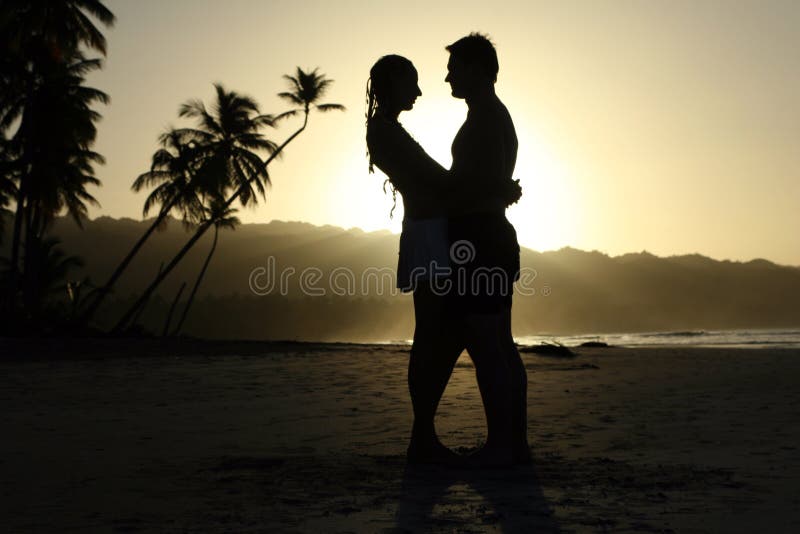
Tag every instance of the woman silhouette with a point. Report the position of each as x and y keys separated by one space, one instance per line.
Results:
x=423 y=258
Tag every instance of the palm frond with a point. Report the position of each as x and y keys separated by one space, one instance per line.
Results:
x=295 y=81
x=291 y=97
x=287 y=114
x=307 y=87
x=83 y=66
x=264 y=120
x=90 y=33
x=330 y=107
x=98 y=11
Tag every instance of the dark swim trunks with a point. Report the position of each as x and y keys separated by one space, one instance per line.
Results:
x=484 y=256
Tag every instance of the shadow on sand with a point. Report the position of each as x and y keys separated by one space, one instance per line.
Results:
x=437 y=499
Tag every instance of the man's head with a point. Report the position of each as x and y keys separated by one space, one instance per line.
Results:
x=472 y=65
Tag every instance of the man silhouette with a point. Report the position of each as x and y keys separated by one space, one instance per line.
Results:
x=484 y=155
x=474 y=316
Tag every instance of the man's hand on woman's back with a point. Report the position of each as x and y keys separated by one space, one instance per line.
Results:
x=511 y=192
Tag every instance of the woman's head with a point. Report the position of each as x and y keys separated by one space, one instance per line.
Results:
x=393 y=85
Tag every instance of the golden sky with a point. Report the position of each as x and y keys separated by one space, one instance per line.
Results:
x=666 y=126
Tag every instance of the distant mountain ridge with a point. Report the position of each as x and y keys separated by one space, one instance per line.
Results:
x=574 y=291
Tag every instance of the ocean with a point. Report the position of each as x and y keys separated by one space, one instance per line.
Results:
x=750 y=338
x=745 y=338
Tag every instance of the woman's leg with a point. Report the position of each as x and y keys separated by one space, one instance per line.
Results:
x=437 y=346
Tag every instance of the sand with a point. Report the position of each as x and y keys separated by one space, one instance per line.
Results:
x=129 y=436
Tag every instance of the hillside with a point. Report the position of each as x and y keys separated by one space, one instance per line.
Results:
x=574 y=291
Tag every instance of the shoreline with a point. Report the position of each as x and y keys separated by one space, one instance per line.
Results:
x=15 y=349
x=22 y=349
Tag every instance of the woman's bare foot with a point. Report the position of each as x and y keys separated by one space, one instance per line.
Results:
x=432 y=452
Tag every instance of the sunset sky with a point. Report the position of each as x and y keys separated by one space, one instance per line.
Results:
x=669 y=126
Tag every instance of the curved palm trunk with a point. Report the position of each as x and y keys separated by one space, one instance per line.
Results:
x=106 y=289
x=30 y=261
x=159 y=278
x=172 y=310
x=197 y=235
x=18 y=215
x=22 y=194
x=143 y=306
x=16 y=240
x=197 y=283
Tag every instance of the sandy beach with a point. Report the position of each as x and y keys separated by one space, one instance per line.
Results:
x=142 y=435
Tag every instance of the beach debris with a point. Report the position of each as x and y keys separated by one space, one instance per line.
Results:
x=549 y=349
x=594 y=344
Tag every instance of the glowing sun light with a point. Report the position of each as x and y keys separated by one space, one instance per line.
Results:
x=547 y=215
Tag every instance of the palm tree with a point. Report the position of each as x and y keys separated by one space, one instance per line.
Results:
x=222 y=217
x=62 y=187
x=57 y=126
x=7 y=193
x=307 y=88
x=228 y=138
x=54 y=162
x=38 y=38
x=172 y=175
x=7 y=188
x=41 y=67
x=55 y=26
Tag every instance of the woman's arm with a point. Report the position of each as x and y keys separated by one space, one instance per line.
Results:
x=403 y=160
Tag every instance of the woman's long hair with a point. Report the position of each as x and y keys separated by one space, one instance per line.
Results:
x=380 y=92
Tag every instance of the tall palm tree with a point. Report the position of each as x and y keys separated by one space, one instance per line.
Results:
x=56 y=129
x=172 y=175
x=306 y=89
x=222 y=217
x=37 y=34
x=54 y=163
x=40 y=57
x=7 y=188
x=38 y=38
x=56 y=26
x=228 y=138
x=62 y=187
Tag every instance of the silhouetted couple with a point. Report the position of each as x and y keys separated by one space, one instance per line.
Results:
x=458 y=252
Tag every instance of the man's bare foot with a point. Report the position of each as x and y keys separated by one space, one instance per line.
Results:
x=432 y=452
x=522 y=455
x=490 y=456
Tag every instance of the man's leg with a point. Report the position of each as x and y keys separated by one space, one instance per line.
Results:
x=494 y=381
x=519 y=393
x=434 y=354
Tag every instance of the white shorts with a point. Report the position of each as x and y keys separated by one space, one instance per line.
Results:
x=424 y=251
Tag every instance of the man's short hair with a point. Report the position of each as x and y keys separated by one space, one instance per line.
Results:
x=476 y=48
